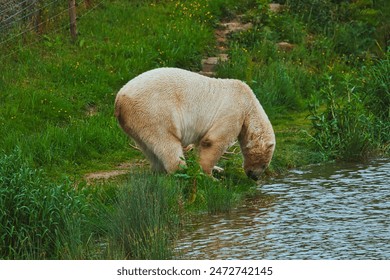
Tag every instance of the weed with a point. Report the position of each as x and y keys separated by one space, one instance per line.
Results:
x=344 y=129
x=376 y=85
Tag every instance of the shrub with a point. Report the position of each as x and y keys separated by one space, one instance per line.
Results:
x=344 y=129
x=353 y=38
x=376 y=85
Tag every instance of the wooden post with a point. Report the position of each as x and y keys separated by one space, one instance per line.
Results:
x=72 y=17
x=38 y=21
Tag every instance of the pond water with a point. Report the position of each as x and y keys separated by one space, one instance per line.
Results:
x=328 y=211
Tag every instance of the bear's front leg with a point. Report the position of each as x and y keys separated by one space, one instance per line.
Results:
x=210 y=151
x=217 y=140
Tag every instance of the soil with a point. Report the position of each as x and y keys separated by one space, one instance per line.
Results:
x=121 y=169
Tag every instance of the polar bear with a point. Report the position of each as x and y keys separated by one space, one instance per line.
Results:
x=166 y=109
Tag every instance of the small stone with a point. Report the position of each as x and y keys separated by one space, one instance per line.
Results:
x=284 y=46
x=236 y=26
x=276 y=8
x=223 y=57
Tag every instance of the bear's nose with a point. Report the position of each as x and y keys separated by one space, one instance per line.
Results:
x=252 y=175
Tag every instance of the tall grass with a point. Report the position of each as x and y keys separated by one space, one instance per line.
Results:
x=144 y=219
x=376 y=85
x=37 y=217
x=43 y=220
x=344 y=129
x=351 y=117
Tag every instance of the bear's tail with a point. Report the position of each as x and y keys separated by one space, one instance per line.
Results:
x=118 y=111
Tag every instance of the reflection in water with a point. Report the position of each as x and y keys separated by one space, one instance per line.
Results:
x=325 y=212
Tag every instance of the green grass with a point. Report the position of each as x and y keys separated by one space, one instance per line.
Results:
x=322 y=73
x=326 y=100
x=145 y=218
x=39 y=219
x=51 y=98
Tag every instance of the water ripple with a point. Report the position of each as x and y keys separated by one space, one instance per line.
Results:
x=325 y=212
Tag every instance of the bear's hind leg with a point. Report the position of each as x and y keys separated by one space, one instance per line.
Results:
x=165 y=153
x=155 y=163
x=170 y=154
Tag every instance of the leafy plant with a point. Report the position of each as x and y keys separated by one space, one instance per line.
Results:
x=353 y=38
x=344 y=128
x=376 y=85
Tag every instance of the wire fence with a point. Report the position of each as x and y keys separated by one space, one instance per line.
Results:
x=35 y=19
x=26 y=13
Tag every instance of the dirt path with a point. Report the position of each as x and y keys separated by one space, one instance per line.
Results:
x=221 y=35
x=121 y=169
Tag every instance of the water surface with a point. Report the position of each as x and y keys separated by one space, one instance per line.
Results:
x=333 y=211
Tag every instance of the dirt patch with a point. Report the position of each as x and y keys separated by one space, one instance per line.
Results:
x=121 y=169
x=104 y=175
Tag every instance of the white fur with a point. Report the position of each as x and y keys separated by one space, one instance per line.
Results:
x=167 y=108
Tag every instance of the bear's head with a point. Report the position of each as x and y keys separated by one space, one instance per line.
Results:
x=257 y=157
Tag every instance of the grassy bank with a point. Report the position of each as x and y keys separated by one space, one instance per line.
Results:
x=327 y=99
x=335 y=69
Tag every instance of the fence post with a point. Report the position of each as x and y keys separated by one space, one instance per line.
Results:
x=72 y=17
x=38 y=20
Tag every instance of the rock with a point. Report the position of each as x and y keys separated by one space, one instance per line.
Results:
x=223 y=57
x=284 y=46
x=209 y=64
x=236 y=26
x=276 y=8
